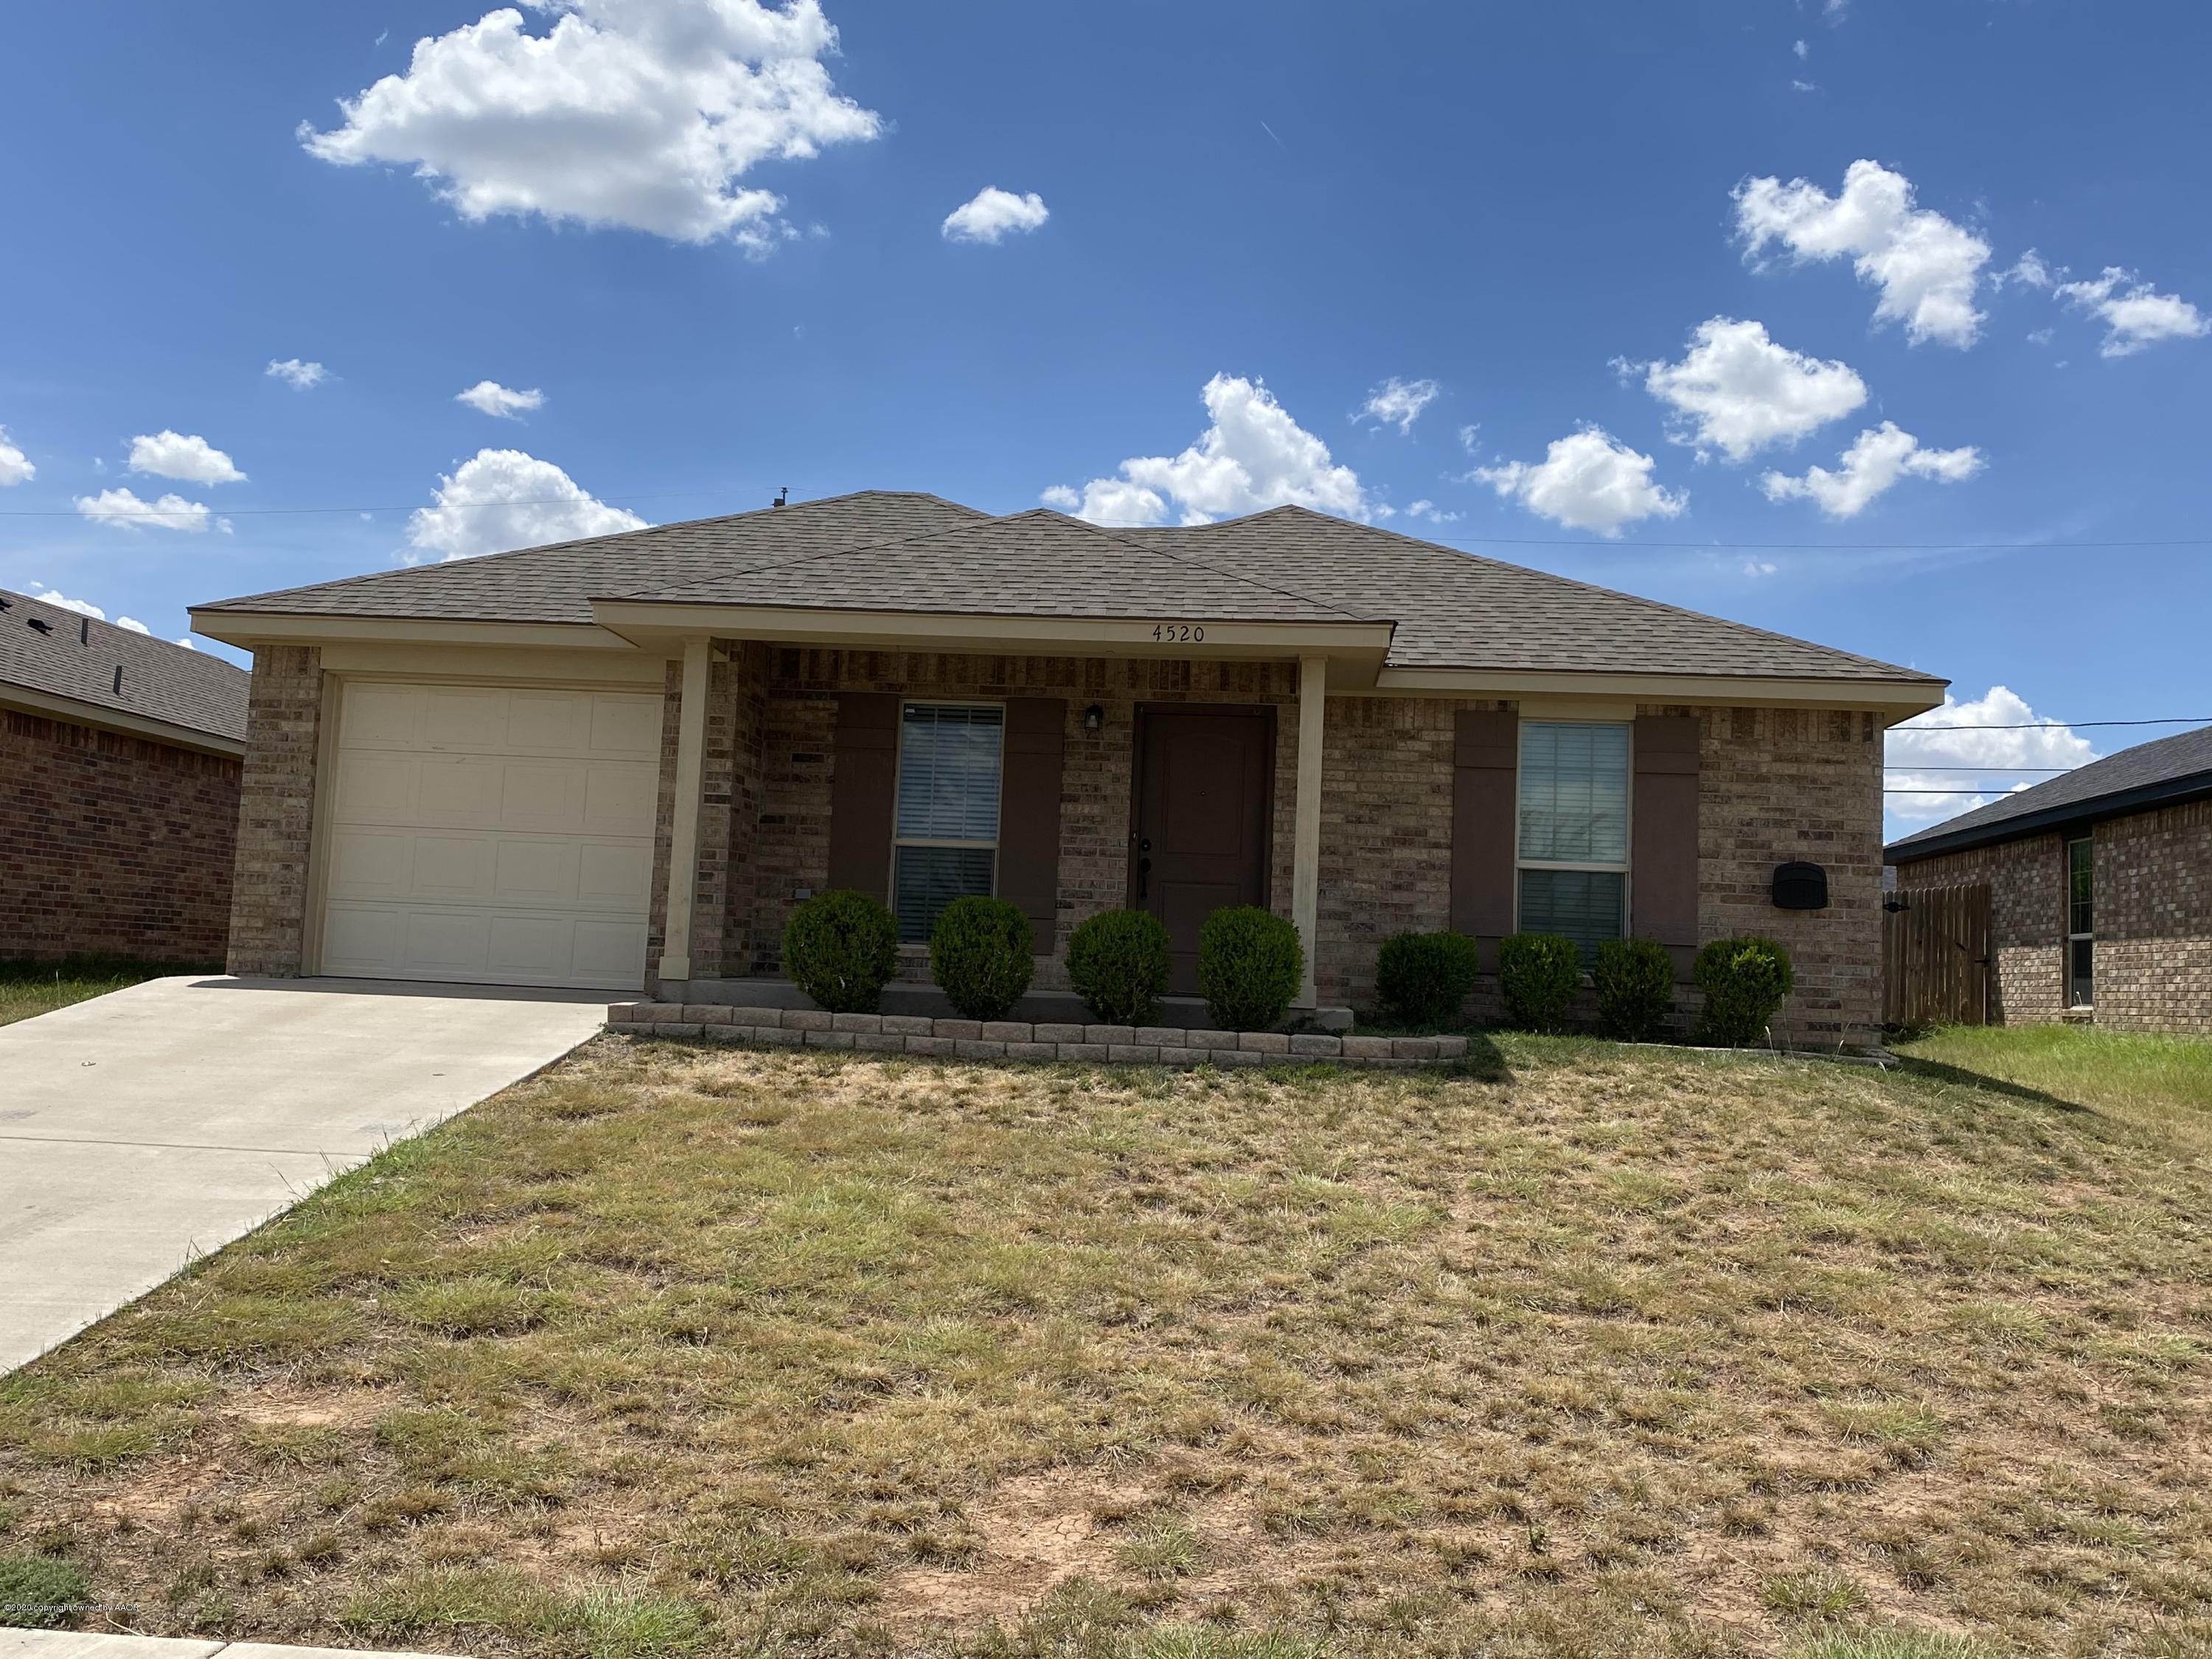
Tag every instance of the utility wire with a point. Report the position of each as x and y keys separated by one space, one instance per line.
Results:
x=2063 y=726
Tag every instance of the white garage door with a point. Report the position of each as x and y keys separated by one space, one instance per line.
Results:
x=491 y=835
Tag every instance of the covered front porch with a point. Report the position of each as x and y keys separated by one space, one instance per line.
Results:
x=1169 y=775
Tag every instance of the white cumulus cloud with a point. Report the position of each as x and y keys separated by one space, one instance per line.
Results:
x=46 y=595
x=490 y=397
x=122 y=509
x=1431 y=512
x=1587 y=480
x=1878 y=458
x=1252 y=456
x=299 y=375
x=992 y=214
x=1738 y=392
x=190 y=458
x=1970 y=767
x=1398 y=402
x=133 y=625
x=501 y=499
x=14 y=466
x=2134 y=313
x=1927 y=267
x=643 y=113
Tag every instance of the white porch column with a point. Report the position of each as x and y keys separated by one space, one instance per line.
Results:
x=684 y=834
x=1305 y=833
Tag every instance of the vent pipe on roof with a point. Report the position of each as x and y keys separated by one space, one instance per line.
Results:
x=84 y=631
x=118 y=690
x=781 y=496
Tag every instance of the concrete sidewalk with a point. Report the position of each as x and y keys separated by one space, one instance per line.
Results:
x=161 y=1122
x=88 y=1645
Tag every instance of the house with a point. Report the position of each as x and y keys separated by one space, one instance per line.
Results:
x=623 y=760
x=2100 y=889
x=119 y=763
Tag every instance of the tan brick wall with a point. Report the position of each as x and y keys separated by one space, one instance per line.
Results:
x=2154 y=920
x=799 y=716
x=2027 y=921
x=111 y=844
x=277 y=800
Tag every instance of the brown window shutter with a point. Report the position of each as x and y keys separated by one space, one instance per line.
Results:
x=1485 y=762
x=863 y=791
x=1662 y=857
x=1029 y=813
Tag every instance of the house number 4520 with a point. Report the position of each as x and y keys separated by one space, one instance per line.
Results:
x=1179 y=633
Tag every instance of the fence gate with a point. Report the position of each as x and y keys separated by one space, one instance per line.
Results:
x=1935 y=956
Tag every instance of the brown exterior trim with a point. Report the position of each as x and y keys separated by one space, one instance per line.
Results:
x=1029 y=813
x=1663 y=856
x=1486 y=764
x=863 y=793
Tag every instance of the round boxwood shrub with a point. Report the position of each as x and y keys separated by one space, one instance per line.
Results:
x=1635 y=980
x=1538 y=974
x=1250 y=962
x=979 y=955
x=1117 y=963
x=1423 y=978
x=1744 y=981
x=841 y=949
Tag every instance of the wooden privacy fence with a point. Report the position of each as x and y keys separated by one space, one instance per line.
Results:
x=1935 y=956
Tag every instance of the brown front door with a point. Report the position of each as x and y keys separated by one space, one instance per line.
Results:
x=1203 y=809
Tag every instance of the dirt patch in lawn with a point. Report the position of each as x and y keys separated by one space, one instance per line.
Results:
x=1595 y=1351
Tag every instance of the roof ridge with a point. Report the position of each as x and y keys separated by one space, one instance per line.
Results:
x=808 y=558
x=1568 y=581
x=139 y=640
x=480 y=560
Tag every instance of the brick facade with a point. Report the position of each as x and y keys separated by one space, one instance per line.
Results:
x=268 y=921
x=1777 y=785
x=2153 y=890
x=112 y=844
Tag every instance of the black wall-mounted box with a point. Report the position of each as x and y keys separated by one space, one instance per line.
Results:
x=1800 y=887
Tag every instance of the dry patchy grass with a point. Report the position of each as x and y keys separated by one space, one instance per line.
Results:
x=1595 y=1351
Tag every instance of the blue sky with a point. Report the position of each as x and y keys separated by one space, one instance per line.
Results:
x=1622 y=334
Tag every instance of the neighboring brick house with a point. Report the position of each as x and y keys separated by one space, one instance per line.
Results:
x=119 y=762
x=622 y=762
x=2100 y=889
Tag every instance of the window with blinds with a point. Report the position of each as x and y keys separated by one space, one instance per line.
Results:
x=1572 y=832
x=946 y=831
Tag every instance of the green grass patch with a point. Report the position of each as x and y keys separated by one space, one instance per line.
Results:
x=28 y=988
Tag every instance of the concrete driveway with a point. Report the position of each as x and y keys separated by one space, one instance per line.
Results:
x=157 y=1123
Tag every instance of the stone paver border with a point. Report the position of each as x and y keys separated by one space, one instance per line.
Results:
x=1016 y=1039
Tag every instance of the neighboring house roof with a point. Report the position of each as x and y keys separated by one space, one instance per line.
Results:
x=2160 y=774
x=880 y=551
x=60 y=661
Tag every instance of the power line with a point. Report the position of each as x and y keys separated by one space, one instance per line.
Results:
x=2063 y=726
x=1934 y=766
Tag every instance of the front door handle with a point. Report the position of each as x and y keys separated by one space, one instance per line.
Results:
x=1144 y=877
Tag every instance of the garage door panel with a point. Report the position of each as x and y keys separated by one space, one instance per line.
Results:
x=465 y=719
x=627 y=726
x=619 y=799
x=492 y=832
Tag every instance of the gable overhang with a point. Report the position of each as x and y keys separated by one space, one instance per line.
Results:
x=1355 y=650
x=247 y=629
x=2053 y=820
x=1891 y=701
x=101 y=718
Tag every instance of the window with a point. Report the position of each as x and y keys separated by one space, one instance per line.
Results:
x=2081 y=922
x=1573 y=832
x=946 y=839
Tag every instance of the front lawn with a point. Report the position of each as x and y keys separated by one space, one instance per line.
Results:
x=38 y=987
x=1587 y=1351
x=2162 y=1083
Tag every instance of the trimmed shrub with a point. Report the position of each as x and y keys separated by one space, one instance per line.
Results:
x=1117 y=963
x=1250 y=962
x=1744 y=981
x=1423 y=978
x=841 y=949
x=1538 y=973
x=1635 y=979
x=979 y=957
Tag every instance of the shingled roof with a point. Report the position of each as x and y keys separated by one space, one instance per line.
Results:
x=57 y=653
x=881 y=550
x=2163 y=773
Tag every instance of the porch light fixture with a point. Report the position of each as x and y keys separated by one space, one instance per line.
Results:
x=1093 y=718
